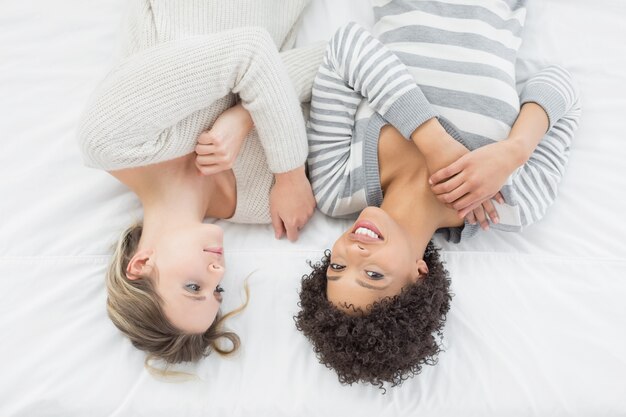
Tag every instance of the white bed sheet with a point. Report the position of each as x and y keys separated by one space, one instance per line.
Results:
x=537 y=322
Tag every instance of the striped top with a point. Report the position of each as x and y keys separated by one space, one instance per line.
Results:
x=462 y=54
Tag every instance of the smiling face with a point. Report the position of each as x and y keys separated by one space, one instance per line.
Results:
x=372 y=260
x=190 y=265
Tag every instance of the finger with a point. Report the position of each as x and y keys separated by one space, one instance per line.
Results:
x=447 y=172
x=209 y=137
x=499 y=198
x=209 y=160
x=207 y=170
x=471 y=219
x=447 y=186
x=278 y=226
x=479 y=212
x=292 y=232
x=205 y=149
x=491 y=211
x=466 y=204
x=454 y=195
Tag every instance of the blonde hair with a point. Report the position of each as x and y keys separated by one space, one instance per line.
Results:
x=135 y=308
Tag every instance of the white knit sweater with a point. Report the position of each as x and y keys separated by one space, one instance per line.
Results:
x=182 y=63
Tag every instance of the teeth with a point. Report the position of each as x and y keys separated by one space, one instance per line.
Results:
x=366 y=232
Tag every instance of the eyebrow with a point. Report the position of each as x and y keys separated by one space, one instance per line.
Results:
x=195 y=297
x=361 y=283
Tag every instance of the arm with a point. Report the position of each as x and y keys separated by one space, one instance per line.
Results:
x=534 y=185
x=218 y=148
x=529 y=164
x=357 y=61
x=131 y=119
x=302 y=65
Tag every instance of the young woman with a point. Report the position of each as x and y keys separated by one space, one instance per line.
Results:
x=157 y=124
x=374 y=305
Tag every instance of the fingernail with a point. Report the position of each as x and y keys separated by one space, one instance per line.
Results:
x=430 y=181
x=496 y=220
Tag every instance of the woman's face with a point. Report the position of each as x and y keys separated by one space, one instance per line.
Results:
x=372 y=260
x=190 y=265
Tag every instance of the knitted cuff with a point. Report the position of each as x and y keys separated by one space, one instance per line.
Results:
x=409 y=112
x=548 y=97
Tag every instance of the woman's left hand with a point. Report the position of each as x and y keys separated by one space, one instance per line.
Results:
x=475 y=177
x=485 y=212
x=218 y=148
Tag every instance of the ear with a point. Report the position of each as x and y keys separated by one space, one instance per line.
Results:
x=141 y=264
x=422 y=270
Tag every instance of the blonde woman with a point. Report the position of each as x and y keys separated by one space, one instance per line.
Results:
x=160 y=122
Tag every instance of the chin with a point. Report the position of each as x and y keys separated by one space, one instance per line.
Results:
x=372 y=210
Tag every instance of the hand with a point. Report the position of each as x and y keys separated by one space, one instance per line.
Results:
x=218 y=147
x=291 y=203
x=485 y=212
x=475 y=177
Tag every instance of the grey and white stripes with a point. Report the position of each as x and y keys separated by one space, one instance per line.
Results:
x=462 y=54
x=356 y=66
x=534 y=186
x=465 y=78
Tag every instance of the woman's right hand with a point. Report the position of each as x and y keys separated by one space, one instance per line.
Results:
x=218 y=148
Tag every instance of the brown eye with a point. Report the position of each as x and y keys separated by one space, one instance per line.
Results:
x=336 y=267
x=374 y=275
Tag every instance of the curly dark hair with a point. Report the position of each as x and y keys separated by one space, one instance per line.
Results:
x=391 y=340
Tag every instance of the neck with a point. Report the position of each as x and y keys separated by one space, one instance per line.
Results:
x=410 y=202
x=174 y=196
x=408 y=198
x=172 y=193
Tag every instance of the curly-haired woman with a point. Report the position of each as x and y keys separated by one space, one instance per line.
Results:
x=375 y=304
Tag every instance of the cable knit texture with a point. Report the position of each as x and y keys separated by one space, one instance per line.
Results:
x=182 y=64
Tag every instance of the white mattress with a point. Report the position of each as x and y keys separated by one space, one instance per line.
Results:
x=537 y=324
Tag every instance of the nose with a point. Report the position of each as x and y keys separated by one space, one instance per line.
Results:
x=358 y=249
x=215 y=267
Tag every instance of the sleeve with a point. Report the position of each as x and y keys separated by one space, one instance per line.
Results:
x=128 y=121
x=302 y=65
x=533 y=187
x=363 y=64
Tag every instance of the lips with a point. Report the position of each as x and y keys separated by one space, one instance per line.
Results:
x=366 y=231
x=216 y=250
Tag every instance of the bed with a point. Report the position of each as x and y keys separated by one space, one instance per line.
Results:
x=537 y=324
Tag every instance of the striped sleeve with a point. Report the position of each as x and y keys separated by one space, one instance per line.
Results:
x=372 y=70
x=356 y=67
x=533 y=187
